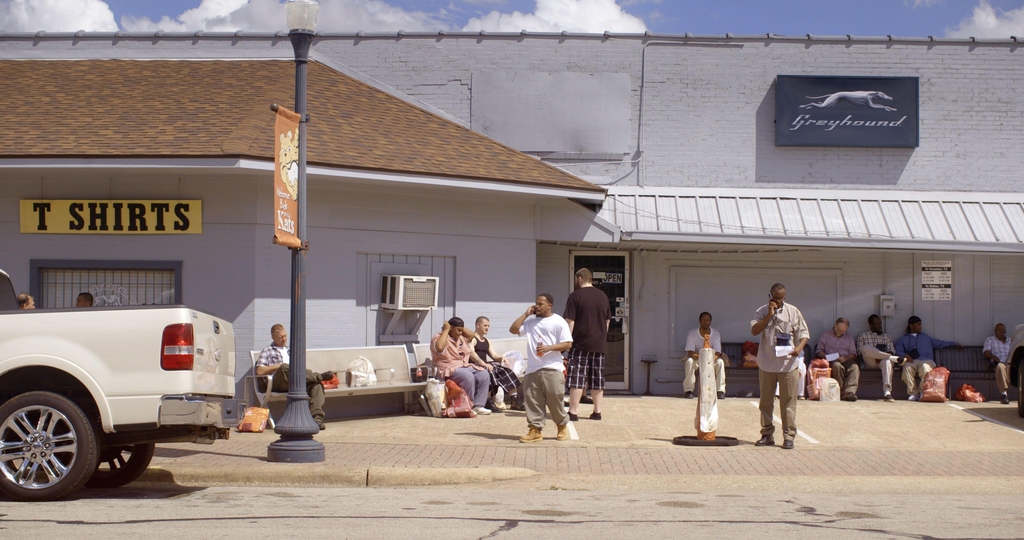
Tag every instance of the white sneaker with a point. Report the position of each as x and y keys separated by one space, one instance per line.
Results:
x=915 y=397
x=481 y=411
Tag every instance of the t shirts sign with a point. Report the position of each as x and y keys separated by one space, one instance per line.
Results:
x=92 y=216
x=936 y=280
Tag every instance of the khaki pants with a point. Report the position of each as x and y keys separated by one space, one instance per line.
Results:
x=313 y=388
x=848 y=376
x=545 y=387
x=1003 y=377
x=916 y=368
x=787 y=382
x=876 y=359
x=690 y=376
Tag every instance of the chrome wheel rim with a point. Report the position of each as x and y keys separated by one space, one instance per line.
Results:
x=38 y=446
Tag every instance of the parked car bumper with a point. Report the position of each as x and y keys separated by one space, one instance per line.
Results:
x=191 y=411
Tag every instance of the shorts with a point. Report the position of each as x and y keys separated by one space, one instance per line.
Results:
x=586 y=370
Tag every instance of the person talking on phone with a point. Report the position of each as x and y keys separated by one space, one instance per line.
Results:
x=784 y=335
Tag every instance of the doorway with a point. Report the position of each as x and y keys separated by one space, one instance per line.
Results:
x=611 y=276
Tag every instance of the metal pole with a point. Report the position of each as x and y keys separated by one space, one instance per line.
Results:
x=296 y=427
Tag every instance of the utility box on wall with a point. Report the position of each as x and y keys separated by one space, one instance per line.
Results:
x=887 y=305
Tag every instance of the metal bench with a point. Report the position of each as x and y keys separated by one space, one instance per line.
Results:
x=390 y=363
x=969 y=365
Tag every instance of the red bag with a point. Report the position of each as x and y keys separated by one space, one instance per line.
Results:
x=816 y=373
x=933 y=387
x=333 y=383
x=749 y=351
x=970 y=394
x=457 y=404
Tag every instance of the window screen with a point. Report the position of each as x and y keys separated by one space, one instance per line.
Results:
x=59 y=287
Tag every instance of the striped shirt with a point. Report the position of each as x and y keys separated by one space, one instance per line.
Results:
x=1000 y=349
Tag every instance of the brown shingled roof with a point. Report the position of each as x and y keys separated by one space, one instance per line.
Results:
x=182 y=108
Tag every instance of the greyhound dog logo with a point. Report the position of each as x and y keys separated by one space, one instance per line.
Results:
x=860 y=99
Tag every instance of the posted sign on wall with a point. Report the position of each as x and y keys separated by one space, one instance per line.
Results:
x=936 y=280
x=879 y=112
x=86 y=216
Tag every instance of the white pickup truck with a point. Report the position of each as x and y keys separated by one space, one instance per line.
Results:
x=86 y=393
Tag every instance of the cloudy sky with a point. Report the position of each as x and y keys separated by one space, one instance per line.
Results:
x=950 y=18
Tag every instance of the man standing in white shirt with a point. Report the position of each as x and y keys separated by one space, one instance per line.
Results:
x=997 y=351
x=694 y=343
x=547 y=336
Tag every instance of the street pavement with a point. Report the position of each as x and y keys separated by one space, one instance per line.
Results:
x=472 y=512
x=866 y=446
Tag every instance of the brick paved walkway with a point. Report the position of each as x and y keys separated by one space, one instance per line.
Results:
x=741 y=461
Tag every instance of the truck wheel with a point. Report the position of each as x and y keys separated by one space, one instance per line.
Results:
x=48 y=448
x=1020 y=390
x=121 y=465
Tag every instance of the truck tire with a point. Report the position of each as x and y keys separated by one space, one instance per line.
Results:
x=50 y=448
x=1020 y=390
x=121 y=465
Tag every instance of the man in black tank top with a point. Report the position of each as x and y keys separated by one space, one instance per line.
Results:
x=588 y=313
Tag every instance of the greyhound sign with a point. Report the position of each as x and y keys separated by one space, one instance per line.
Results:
x=880 y=112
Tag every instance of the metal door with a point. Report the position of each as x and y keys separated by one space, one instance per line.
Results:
x=611 y=275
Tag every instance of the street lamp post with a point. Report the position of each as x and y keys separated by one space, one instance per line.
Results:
x=296 y=427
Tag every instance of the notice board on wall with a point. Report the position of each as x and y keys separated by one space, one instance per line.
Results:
x=936 y=280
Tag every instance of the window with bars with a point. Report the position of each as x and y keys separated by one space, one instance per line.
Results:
x=115 y=283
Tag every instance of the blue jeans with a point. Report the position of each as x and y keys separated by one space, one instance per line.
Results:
x=476 y=383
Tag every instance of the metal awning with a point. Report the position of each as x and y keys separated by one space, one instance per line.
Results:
x=825 y=218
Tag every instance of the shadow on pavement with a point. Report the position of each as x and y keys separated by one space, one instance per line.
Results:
x=492 y=436
x=180 y=453
x=1006 y=414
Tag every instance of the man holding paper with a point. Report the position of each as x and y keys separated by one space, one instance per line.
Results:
x=783 y=334
x=841 y=352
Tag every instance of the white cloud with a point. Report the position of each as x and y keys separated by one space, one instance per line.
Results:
x=925 y=3
x=561 y=15
x=986 y=22
x=56 y=16
x=268 y=15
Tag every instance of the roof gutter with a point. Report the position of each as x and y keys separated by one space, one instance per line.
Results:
x=823 y=242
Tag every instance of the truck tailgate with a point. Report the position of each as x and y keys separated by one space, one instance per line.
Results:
x=214 y=369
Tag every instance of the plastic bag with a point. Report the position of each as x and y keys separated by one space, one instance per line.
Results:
x=254 y=420
x=333 y=383
x=749 y=350
x=933 y=387
x=829 y=389
x=458 y=403
x=970 y=394
x=818 y=370
x=360 y=373
x=435 y=393
x=514 y=360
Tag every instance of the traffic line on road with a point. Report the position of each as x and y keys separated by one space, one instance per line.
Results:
x=983 y=417
x=778 y=420
x=573 y=436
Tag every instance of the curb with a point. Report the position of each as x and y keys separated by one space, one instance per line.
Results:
x=323 y=475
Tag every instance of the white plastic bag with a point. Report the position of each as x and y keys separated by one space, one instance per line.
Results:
x=435 y=391
x=829 y=390
x=361 y=373
x=514 y=360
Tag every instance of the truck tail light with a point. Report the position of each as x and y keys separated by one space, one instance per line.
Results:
x=177 y=351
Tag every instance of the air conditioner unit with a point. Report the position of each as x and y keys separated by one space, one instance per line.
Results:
x=408 y=292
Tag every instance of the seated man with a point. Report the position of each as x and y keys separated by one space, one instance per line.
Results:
x=694 y=343
x=453 y=359
x=878 y=352
x=997 y=351
x=503 y=379
x=274 y=360
x=916 y=350
x=841 y=351
x=25 y=301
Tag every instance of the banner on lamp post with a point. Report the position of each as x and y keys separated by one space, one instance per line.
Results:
x=286 y=178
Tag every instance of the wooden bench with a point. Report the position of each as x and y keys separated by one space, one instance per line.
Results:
x=390 y=363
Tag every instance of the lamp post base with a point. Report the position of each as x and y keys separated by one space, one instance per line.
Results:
x=296 y=450
x=296 y=428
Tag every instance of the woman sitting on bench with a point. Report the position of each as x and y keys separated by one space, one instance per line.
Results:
x=452 y=357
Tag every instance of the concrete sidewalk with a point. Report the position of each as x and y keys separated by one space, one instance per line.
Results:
x=900 y=446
